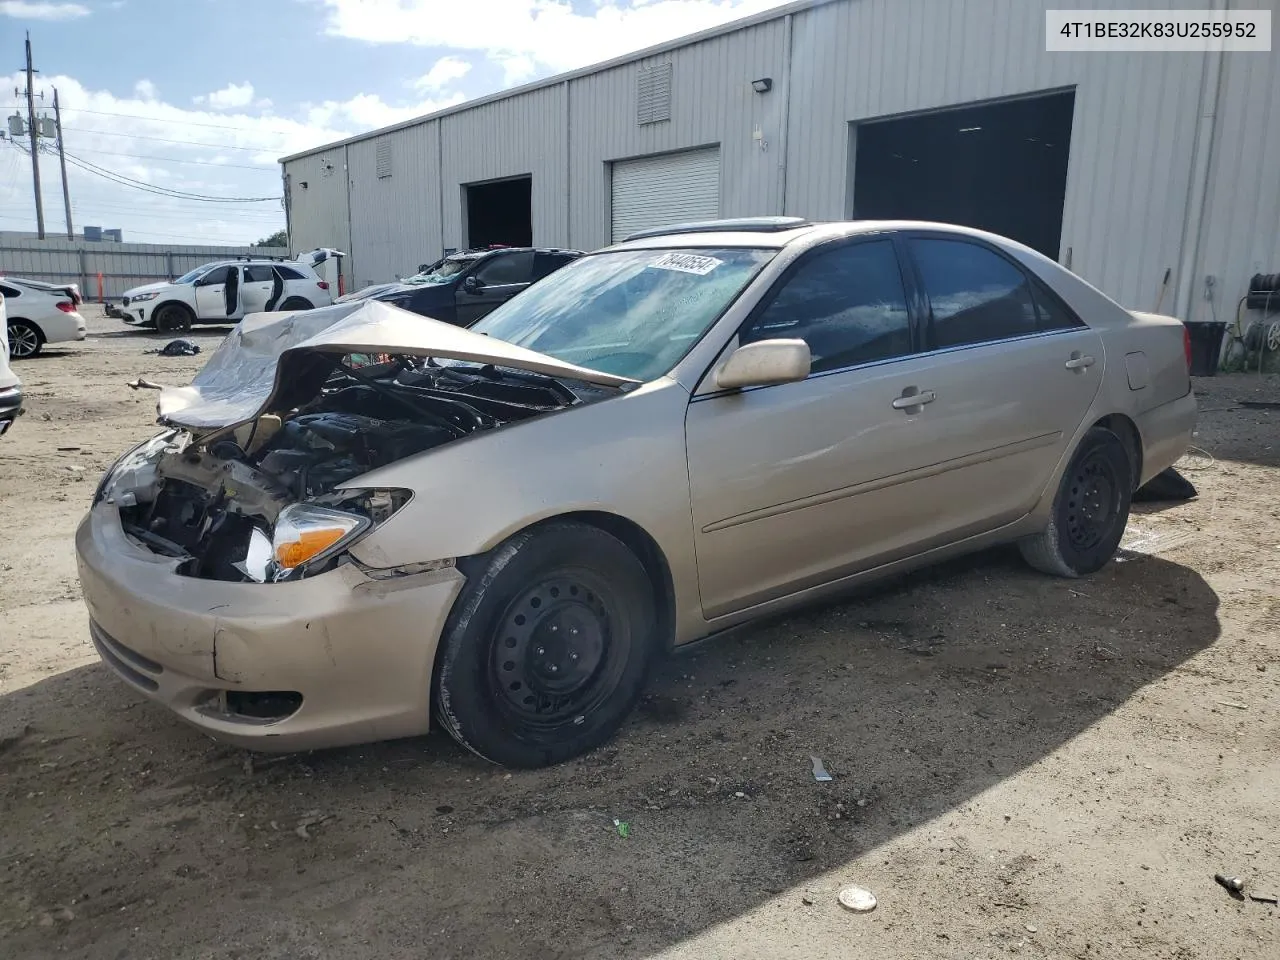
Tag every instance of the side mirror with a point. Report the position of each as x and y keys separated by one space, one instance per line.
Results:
x=472 y=284
x=765 y=362
x=424 y=267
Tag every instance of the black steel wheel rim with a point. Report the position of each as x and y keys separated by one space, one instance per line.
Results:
x=558 y=651
x=1093 y=500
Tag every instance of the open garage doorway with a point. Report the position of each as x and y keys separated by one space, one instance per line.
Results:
x=998 y=166
x=499 y=212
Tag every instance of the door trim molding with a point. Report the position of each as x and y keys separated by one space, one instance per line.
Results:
x=880 y=483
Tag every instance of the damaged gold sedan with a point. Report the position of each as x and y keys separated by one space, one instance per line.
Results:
x=357 y=518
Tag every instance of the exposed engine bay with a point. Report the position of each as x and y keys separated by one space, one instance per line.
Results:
x=216 y=500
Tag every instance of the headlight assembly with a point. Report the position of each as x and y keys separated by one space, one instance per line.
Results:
x=307 y=534
x=138 y=298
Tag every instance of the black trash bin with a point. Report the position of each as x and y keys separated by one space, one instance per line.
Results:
x=1206 y=346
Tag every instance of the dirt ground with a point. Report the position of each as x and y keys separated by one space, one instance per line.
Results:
x=1023 y=766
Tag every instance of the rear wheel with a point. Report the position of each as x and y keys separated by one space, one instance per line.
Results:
x=25 y=339
x=173 y=318
x=548 y=648
x=1090 y=510
x=296 y=303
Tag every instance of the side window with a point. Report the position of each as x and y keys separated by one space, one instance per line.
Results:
x=506 y=268
x=1054 y=314
x=977 y=296
x=257 y=273
x=848 y=304
x=214 y=276
x=289 y=273
x=546 y=263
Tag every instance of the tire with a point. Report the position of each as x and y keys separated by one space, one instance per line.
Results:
x=25 y=339
x=1090 y=510
x=296 y=303
x=173 y=318
x=510 y=684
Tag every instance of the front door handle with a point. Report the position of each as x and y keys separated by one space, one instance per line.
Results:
x=913 y=399
x=1079 y=362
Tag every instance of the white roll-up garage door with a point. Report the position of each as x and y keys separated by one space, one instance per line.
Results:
x=672 y=188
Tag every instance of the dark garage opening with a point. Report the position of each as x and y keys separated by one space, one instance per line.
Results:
x=500 y=212
x=1000 y=167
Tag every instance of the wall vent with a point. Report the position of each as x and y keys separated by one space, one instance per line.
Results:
x=382 y=155
x=653 y=93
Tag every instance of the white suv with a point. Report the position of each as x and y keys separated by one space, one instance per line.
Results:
x=224 y=292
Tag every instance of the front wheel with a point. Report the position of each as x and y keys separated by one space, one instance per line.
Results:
x=173 y=318
x=1090 y=510
x=25 y=339
x=548 y=648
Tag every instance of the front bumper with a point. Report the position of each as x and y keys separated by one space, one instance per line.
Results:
x=10 y=406
x=359 y=651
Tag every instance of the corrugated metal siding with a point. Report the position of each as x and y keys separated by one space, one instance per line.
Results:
x=523 y=135
x=672 y=188
x=318 y=215
x=1241 y=236
x=1132 y=138
x=393 y=228
x=711 y=103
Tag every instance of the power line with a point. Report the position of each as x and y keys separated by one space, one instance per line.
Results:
x=185 y=143
x=203 y=163
x=122 y=180
x=185 y=123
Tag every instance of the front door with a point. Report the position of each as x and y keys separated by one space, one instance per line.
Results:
x=794 y=482
x=495 y=281
x=211 y=294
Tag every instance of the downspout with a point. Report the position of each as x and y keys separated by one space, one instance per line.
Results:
x=568 y=169
x=785 y=131
x=1198 y=188
x=440 y=178
x=351 y=248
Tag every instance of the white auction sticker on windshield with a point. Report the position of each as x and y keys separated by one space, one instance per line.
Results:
x=687 y=263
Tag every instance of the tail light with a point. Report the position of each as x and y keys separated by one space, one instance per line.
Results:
x=322 y=284
x=1186 y=344
x=66 y=306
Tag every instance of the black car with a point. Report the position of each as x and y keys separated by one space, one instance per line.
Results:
x=463 y=287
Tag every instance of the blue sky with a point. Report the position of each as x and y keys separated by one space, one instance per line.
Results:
x=202 y=96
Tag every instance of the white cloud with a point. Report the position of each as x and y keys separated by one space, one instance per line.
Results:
x=218 y=153
x=230 y=97
x=528 y=37
x=41 y=10
x=442 y=73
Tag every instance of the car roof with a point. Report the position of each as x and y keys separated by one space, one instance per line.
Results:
x=740 y=233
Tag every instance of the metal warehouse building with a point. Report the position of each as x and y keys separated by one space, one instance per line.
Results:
x=1156 y=176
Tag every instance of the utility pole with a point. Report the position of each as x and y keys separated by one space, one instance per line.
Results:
x=62 y=160
x=35 y=135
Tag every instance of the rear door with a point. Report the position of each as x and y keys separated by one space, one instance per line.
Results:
x=1012 y=373
x=498 y=278
x=255 y=293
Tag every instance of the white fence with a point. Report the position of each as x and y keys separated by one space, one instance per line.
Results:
x=121 y=265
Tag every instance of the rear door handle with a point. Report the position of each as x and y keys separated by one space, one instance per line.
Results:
x=1078 y=362
x=909 y=401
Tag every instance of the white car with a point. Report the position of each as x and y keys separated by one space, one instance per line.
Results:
x=10 y=385
x=224 y=292
x=40 y=313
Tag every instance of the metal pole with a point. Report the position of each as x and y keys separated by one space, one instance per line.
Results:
x=62 y=159
x=35 y=147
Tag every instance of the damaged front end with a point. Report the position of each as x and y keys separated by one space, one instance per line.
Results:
x=272 y=499
x=258 y=478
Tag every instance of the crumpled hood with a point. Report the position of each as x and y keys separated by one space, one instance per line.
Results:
x=146 y=288
x=274 y=361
